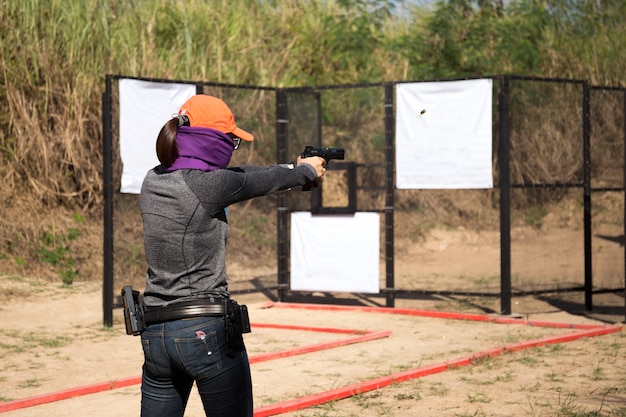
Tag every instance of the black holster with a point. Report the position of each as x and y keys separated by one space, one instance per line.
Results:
x=133 y=311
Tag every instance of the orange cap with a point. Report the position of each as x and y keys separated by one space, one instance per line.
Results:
x=211 y=112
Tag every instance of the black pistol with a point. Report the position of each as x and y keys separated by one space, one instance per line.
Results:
x=133 y=311
x=326 y=153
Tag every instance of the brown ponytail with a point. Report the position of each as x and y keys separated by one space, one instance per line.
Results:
x=166 y=148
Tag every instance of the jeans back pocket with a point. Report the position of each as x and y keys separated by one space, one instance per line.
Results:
x=199 y=355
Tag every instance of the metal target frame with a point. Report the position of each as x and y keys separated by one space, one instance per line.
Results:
x=282 y=154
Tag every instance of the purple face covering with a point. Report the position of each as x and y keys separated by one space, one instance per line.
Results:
x=202 y=148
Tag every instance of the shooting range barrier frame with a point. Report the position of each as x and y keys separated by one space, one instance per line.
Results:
x=284 y=205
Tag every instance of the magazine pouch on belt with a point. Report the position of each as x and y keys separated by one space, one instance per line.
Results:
x=236 y=322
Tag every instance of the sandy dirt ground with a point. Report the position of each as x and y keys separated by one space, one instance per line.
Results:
x=52 y=339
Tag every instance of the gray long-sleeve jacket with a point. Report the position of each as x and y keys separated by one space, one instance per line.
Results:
x=185 y=226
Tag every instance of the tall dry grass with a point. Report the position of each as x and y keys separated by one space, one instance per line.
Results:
x=52 y=66
x=55 y=55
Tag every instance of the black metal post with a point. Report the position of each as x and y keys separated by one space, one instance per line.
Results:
x=505 y=196
x=316 y=193
x=587 y=198
x=624 y=189
x=107 y=180
x=282 y=211
x=389 y=195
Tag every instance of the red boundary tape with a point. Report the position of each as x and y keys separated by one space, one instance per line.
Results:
x=68 y=393
x=435 y=314
x=377 y=383
x=361 y=336
x=262 y=357
x=588 y=330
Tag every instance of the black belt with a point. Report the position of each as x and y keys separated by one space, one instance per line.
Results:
x=184 y=310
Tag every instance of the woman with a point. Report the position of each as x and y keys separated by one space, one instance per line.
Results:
x=193 y=329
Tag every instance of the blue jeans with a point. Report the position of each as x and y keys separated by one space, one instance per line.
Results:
x=179 y=352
